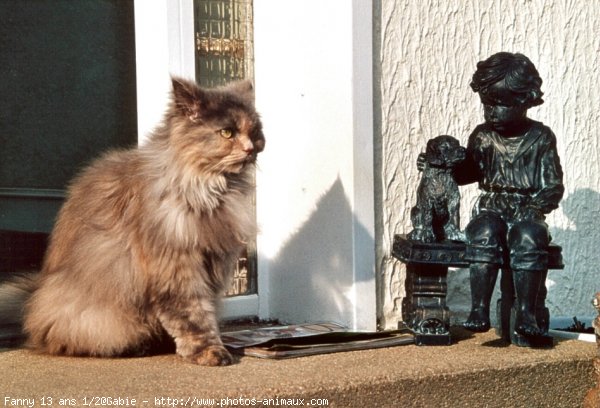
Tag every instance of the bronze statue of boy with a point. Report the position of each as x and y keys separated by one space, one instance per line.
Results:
x=514 y=159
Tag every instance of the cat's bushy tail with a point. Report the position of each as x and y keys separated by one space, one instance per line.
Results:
x=14 y=292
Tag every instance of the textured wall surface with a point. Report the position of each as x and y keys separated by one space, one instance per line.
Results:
x=428 y=51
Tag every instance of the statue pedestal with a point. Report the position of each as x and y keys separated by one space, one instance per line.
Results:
x=424 y=308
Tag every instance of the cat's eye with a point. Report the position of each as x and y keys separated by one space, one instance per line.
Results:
x=227 y=133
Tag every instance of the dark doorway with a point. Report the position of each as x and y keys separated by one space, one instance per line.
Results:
x=68 y=93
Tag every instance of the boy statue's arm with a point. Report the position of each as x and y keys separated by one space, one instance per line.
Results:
x=467 y=171
x=552 y=189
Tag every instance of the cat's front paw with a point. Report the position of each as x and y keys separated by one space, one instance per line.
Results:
x=212 y=356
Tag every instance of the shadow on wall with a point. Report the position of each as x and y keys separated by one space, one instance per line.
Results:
x=575 y=286
x=311 y=278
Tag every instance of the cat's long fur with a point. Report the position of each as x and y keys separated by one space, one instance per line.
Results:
x=148 y=237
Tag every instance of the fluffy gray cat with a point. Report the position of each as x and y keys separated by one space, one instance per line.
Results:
x=148 y=238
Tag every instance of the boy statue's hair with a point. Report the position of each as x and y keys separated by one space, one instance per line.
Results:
x=518 y=74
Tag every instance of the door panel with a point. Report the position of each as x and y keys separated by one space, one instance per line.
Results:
x=68 y=82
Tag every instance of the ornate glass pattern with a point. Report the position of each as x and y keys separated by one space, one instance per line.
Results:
x=224 y=53
x=224 y=49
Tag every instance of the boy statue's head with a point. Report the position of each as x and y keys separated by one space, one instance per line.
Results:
x=508 y=84
x=508 y=79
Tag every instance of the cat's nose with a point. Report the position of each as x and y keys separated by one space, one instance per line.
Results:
x=248 y=146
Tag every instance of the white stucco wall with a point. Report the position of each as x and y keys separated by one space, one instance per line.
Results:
x=428 y=52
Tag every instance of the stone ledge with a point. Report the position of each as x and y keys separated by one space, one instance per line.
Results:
x=476 y=371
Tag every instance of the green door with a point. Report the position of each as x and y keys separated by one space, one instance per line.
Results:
x=67 y=76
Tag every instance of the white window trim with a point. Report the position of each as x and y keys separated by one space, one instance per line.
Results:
x=164 y=31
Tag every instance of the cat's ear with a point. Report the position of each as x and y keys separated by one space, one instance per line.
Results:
x=187 y=97
x=243 y=89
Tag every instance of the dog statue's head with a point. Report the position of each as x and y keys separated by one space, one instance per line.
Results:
x=444 y=151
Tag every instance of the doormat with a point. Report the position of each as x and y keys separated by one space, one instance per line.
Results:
x=309 y=339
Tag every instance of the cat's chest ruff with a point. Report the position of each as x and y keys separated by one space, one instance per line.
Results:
x=206 y=217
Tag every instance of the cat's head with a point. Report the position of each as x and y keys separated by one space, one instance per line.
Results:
x=216 y=130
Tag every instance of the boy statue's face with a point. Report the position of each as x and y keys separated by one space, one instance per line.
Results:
x=503 y=118
x=501 y=109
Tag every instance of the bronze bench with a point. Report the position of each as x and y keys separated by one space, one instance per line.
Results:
x=424 y=308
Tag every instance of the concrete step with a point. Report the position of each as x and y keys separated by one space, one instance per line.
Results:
x=476 y=371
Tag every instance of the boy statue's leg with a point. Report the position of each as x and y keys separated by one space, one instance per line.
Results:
x=485 y=237
x=528 y=242
x=483 y=279
x=527 y=287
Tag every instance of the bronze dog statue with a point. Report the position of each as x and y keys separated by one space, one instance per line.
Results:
x=435 y=217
